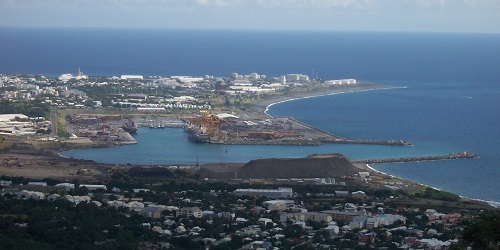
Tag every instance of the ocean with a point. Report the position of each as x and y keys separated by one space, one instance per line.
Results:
x=448 y=100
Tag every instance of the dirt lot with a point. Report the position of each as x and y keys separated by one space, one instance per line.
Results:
x=32 y=158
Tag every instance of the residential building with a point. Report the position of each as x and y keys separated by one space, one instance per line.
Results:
x=190 y=211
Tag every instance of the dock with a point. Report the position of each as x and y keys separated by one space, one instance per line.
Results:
x=452 y=156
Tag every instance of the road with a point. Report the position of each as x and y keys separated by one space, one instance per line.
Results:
x=53 y=123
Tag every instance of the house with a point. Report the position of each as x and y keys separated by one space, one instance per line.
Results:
x=208 y=214
x=158 y=229
x=180 y=229
x=135 y=205
x=358 y=194
x=67 y=186
x=151 y=212
x=264 y=221
x=53 y=197
x=116 y=204
x=241 y=220
x=389 y=219
x=341 y=193
x=30 y=195
x=190 y=211
x=44 y=184
x=358 y=222
x=225 y=215
x=5 y=183
x=306 y=216
x=278 y=204
x=332 y=228
x=93 y=187
x=77 y=199
x=341 y=215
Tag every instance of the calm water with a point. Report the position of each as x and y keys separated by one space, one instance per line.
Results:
x=450 y=103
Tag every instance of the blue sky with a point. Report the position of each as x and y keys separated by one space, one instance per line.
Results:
x=481 y=16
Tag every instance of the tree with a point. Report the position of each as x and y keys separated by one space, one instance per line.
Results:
x=482 y=232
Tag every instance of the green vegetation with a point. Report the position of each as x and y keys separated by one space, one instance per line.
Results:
x=31 y=109
x=482 y=232
x=60 y=224
x=6 y=145
x=61 y=126
x=438 y=195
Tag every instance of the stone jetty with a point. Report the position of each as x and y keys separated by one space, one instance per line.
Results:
x=453 y=156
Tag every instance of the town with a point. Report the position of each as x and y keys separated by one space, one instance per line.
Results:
x=182 y=213
x=57 y=202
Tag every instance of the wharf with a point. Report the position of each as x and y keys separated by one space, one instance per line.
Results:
x=126 y=138
x=453 y=156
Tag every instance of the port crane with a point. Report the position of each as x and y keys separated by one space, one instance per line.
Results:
x=207 y=124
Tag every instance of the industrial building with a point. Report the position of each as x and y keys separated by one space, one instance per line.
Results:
x=341 y=81
x=297 y=78
x=269 y=193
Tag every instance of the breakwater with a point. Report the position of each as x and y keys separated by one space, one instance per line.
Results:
x=327 y=137
x=453 y=156
x=365 y=141
x=290 y=142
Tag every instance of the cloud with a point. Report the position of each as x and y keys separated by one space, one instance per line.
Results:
x=419 y=15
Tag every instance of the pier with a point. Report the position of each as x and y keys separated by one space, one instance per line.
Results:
x=453 y=156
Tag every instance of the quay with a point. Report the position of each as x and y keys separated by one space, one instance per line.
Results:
x=230 y=129
x=453 y=156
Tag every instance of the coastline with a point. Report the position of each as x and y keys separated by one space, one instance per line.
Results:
x=368 y=167
x=263 y=105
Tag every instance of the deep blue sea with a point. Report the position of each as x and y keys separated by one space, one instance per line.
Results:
x=450 y=101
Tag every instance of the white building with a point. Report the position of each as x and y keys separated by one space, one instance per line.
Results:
x=297 y=78
x=306 y=216
x=93 y=187
x=191 y=211
x=67 y=186
x=11 y=117
x=278 y=204
x=132 y=77
x=341 y=81
x=30 y=195
x=270 y=193
x=254 y=76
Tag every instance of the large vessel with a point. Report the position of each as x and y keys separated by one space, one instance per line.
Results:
x=197 y=135
x=130 y=127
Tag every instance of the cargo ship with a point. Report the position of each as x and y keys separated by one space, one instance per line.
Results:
x=130 y=127
x=196 y=135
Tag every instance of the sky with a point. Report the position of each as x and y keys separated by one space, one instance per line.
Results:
x=476 y=16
